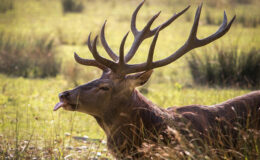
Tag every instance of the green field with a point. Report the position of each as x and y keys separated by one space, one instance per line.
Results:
x=28 y=126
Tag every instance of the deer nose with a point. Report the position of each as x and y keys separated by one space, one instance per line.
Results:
x=64 y=95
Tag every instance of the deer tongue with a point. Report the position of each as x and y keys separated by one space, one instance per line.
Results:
x=58 y=105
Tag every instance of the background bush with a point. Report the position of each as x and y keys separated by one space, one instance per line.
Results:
x=72 y=6
x=6 y=5
x=27 y=56
x=244 y=18
x=227 y=67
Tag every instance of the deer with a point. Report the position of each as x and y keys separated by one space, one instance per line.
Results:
x=126 y=116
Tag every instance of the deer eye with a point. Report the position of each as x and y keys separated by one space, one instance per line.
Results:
x=104 y=88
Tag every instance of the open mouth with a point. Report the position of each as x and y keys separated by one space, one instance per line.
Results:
x=65 y=105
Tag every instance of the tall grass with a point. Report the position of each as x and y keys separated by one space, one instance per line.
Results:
x=227 y=67
x=218 y=147
x=27 y=56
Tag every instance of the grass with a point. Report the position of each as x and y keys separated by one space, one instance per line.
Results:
x=28 y=126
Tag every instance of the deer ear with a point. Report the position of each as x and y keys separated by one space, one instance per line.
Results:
x=140 y=79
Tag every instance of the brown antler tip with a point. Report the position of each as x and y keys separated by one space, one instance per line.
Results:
x=95 y=40
x=89 y=37
x=103 y=28
x=233 y=18
x=77 y=58
x=75 y=54
x=158 y=14
x=225 y=15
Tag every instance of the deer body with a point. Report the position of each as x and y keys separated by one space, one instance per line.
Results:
x=127 y=126
x=239 y=109
x=126 y=116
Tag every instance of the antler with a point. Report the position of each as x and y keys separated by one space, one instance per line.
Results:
x=191 y=43
x=139 y=36
x=120 y=66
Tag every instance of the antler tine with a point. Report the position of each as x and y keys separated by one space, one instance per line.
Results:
x=169 y=21
x=191 y=43
x=89 y=62
x=105 y=45
x=97 y=56
x=121 y=51
x=194 y=29
x=139 y=36
x=144 y=66
x=146 y=30
x=224 y=28
x=89 y=42
x=133 y=20
x=151 y=50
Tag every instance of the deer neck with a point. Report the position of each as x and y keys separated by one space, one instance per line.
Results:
x=129 y=111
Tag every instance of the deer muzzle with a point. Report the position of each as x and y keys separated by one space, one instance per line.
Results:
x=64 y=102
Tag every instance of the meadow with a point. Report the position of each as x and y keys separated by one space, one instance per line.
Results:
x=29 y=129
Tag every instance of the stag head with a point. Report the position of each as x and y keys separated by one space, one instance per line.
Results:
x=96 y=97
x=119 y=79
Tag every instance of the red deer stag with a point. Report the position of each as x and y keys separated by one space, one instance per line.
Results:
x=124 y=114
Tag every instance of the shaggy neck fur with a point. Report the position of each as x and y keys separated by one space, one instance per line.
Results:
x=130 y=122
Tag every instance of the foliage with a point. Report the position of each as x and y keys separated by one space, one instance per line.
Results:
x=228 y=67
x=6 y=5
x=27 y=56
x=72 y=6
x=249 y=21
